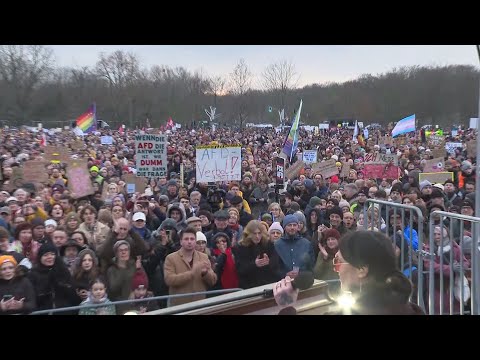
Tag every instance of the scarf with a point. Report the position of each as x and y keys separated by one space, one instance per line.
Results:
x=234 y=227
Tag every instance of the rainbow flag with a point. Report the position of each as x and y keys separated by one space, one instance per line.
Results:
x=87 y=122
x=291 y=142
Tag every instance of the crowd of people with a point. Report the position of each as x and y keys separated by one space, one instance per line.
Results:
x=179 y=236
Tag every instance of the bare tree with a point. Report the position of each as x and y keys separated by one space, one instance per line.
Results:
x=121 y=70
x=280 y=78
x=216 y=86
x=23 y=68
x=240 y=85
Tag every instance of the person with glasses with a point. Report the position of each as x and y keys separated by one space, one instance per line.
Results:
x=17 y=295
x=369 y=276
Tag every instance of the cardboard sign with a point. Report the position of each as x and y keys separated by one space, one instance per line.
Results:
x=35 y=171
x=382 y=159
x=381 y=166
x=134 y=183
x=79 y=180
x=326 y=168
x=78 y=144
x=279 y=172
x=436 y=177
x=472 y=148
x=57 y=154
x=434 y=165
x=151 y=155
x=292 y=172
x=218 y=163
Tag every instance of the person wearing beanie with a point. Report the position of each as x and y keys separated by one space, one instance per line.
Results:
x=72 y=222
x=466 y=174
x=426 y=187
x=38 y=231
x=24 y=243
x=16 y=291
x=275 y=231
x=140 y=291
x=295 y=251
x=69 y=252
x=52 y=281
x=323 y=269
x=302 y=222
x=396 y=192
x=50 y=226
x=335 y=216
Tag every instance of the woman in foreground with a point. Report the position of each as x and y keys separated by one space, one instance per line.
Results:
x=369 y=277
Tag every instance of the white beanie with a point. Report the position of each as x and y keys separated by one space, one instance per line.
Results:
x=201 y=236
x=51 y=222
x=275 y=226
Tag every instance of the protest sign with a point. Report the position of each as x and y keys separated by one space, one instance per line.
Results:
x=151 y=155
x=472 y=148
x=345 y=170
x=294 y=169
x=436 y=153
x=79 y=180
x=381 y=166
x=279 y=172
x=435 y=140
x=57 y=154
x=436 y=177
x=218 y=163
x=34 y=171
x=78 y=144
x=452 y=146
x=134 y=184
x=326 y=168
x=434 y=165
x=310 y=156
x=106 y=140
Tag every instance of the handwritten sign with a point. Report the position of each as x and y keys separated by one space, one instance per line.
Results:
x=310 y=156
x=34 y=171
x=381 y=166
x=326 y=168
x=434 y=165
x=345 y=170
x=293 y=171
x=57 y=154
x=79 y=180
x=151 y=155
x=452 y=146
x=436 y=177
x=435 y=140
x=218 y=163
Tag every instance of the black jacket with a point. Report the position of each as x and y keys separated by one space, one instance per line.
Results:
x=20 y=288
x=249 y=275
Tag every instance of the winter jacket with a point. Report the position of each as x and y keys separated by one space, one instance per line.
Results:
x=20 y=288
x=95 y=235
x=294 y=251
x=100 y=310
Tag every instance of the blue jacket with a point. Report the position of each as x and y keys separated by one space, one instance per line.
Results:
x=296 y=251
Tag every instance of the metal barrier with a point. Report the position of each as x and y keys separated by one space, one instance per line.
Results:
x=121 y=302
x=453 y=264
x=410 y=259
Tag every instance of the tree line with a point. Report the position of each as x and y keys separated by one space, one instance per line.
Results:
x=33 y=89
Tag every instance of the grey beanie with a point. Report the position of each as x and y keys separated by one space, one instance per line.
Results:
x=301 y=217
x=289 y=219
x=119 y=243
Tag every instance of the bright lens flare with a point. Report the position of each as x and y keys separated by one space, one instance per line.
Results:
x=346 y=300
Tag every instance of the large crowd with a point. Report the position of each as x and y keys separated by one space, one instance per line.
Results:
x=179 y=236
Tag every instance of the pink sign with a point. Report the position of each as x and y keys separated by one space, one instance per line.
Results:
x=381 y=171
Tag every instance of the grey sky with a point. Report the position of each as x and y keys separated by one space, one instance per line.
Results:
x=314 y=63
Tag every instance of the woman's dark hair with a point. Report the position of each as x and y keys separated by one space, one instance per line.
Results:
x=375 y=250
x=88 y=207
x=98 y=279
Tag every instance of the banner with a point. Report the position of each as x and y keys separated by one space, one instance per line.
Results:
x=326 y=168
x=218 y=163
x=106 y=140
x=309 y=156
x=79 y=180
x=151 y=155
x=452 y=146
x=436 y=177
x=381 y=166
x=279 y=172
x=434 y=165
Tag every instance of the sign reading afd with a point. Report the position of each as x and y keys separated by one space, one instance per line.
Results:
x=217 y=163
x=151 y=155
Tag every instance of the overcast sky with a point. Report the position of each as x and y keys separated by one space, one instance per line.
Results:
x=314 y=63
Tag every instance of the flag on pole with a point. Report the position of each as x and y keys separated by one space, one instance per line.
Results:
x=355 y=132
x=291 y=142
x=404 y=126
x=87 y=122
x=43 y=142
x=170 y=123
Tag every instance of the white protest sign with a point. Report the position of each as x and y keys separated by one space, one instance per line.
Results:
x=451 y=146
x=151 y=155
x=218 y=163
x=106 y=140
x=310 y=156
